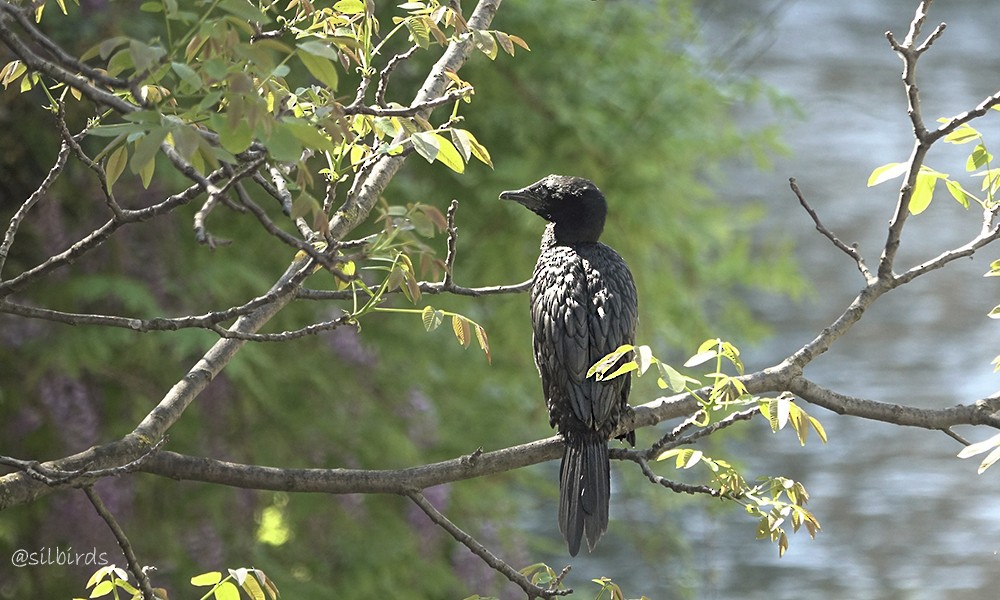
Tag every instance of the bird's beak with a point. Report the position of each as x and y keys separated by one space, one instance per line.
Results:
x=524 y=196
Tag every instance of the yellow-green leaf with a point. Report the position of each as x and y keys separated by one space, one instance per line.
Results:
x=923 y=193
x=102 y=589
x=206 y=579
x=887 y=172
x=484 y=343
x=350 y=7
x=449 y=155
x=818 y=427
x=116 y=164
x=460 y=325
x=962 y=134
x=431 y=318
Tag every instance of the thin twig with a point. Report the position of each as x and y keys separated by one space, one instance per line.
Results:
x=22 y=211
x=449 y=260
x=851 y=251
x=123 y=543
x=383 y=78
x=482 y=552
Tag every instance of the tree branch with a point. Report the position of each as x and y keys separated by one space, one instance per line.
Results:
x=851 y=251
x=532 y=590
x=123 y=543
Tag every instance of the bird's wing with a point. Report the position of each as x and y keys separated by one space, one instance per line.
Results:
x=583 y=307
x=559 y=319
x=612 y=316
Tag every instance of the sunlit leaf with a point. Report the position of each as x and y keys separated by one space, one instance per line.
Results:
x=962 y=134
x=923 y=193
x=700 y=358
x=958 y=192
x=227 y=591
x=206 y=579
x=978 y=159
x=484 y=342
x=102 y=589
x=431 y=318
x=349 y=7
x=644 y=354
x=460 y=325
x=991 y=458
x=980 y=447
x=426 y=144
x=816 y=425
x=887 y=172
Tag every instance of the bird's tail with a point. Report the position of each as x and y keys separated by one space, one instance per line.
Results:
x=584 y=490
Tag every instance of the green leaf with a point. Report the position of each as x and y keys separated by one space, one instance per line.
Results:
x=887 y=172
x=227 y=591
x=995 y=313
x=426 y=144
x=467 y=144
x=674 y=379
x=245 y=10
x=236 y=138
x=206 y=579
x=431 y=317
x=146 y=148
x=187 y=75
x=962 y=134
x=978 y=159
x=485 y=43
x=321 y=49
x=310 y=136
x=958 y=192
x=253 y=589
x=923 y=192
x=321 y=68
x=116 y=164
x=448 y=155
x=102 y=589
x=350 y=7
x=627 y=367
x=994 y=269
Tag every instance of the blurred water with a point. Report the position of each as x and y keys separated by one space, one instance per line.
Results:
x=902 y=517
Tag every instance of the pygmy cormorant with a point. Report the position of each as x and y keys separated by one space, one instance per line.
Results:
x=583 y=307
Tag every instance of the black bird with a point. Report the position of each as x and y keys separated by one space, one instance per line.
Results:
x=583 y=307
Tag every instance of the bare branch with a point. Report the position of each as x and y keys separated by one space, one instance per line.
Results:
x=482 y=552
x=22 y=211
x=851 y=251
x=123 y=543
x=449 y=260
x=383 y=78
x=983 y=412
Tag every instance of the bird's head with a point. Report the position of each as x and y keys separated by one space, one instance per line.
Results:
x=573 y=204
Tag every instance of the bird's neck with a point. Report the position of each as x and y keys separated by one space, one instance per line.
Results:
x=568 y=234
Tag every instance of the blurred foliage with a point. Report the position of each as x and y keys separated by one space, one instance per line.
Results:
x=610 y=90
